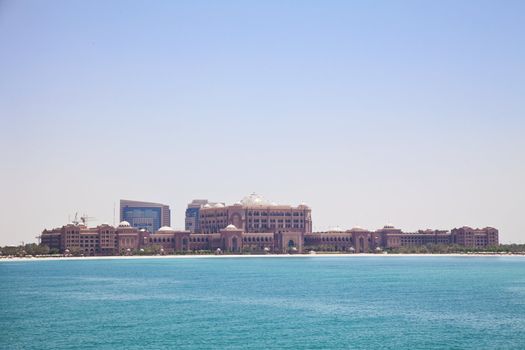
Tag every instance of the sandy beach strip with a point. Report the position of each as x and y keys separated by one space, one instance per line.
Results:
x=267 y=256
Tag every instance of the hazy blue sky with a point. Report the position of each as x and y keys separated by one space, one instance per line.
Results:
x=372 y=112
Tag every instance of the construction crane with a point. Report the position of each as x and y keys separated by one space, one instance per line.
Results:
x=85 y=218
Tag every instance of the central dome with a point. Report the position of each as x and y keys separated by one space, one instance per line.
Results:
x=231 y=227
x=124 y=224
x=254 y=199
x=165 y=228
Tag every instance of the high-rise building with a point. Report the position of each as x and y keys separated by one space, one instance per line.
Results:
x=145 y=215
x=192 y=220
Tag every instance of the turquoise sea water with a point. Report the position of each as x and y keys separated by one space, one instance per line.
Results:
x=262 y=303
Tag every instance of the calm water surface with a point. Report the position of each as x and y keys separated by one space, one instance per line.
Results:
x=261 y=303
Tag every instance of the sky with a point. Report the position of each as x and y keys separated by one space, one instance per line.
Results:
x=409 y=113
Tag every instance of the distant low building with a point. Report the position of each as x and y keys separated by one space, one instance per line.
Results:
x=123 y=239
x=108 y=240
x=419 y=238
x=101 y=240
x=361 y=240
x=475 y=237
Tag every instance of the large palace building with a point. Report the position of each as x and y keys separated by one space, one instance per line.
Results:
x=253 y=214
x=251 y=225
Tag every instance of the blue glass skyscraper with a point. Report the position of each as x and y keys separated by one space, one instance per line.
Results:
x=145 y=215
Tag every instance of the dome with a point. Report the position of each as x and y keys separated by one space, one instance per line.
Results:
x=254 y=200
x=206 y=205
x=124 y=224
x=165 y=228
x=219 y=205
x=357 y=228
x=231 y=227
x=237 y=203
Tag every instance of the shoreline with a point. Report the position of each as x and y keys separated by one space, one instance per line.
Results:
x=226 y=256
